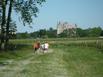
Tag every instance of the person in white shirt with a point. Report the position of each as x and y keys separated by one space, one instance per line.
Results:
x=45 y=47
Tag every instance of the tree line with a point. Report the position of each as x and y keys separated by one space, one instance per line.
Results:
x=52 y=33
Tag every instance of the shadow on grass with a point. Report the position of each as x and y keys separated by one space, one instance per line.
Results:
x=15 y=51
x=15 y=47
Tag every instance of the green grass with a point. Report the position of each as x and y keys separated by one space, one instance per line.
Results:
x=84 y=62
x=90 y=42
x=16 y=54
x=58 y=40
x=64 y=61
x=80 y=58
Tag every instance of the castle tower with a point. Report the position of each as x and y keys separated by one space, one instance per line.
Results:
x=71 y=28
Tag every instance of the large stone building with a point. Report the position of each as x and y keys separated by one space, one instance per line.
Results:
x=71 y=28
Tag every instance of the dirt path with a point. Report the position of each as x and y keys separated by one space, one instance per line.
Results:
x=49 y=64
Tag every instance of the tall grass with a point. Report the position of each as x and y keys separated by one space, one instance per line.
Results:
x=86 y=42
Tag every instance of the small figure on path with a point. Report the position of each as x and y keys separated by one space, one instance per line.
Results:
x=44 y=47
x=36 y=46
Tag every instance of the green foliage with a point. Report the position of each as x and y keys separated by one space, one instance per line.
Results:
x=0 y=18
x=52 y=33
x=34 y=34
x=12 y=30
x=101 y=33
x=90 y=32
x=42 y=33
x=94 y=32
x=81 y=32
x=63 y=34
x=22 y=35
x=27 y=9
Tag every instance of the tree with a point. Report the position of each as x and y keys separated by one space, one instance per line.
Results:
x=3 y=18
x=26 y=9
x=8 y=23
x=51 y=33
x=24 y=35
x=81 y=32
x=101 y=33
x=94 y=32
x=63 y=34
x=42 y=33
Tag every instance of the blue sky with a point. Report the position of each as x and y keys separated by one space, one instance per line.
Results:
x=84 y=13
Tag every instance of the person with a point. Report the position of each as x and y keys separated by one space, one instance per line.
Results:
x=36 y=46
x=46 y=46
x=42 y=46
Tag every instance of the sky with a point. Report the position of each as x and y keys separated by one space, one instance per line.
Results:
x=84 y=13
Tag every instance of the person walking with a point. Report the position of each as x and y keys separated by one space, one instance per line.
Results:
x=36 y=46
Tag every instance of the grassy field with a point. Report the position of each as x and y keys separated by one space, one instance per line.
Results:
x=65 y=58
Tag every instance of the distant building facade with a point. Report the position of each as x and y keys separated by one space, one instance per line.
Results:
x=71 y=28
